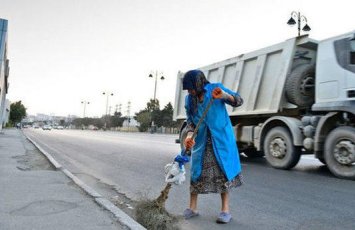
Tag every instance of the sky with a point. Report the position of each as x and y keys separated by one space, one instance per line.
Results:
x=65 y=52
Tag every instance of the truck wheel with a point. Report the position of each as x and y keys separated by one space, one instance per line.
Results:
x=279 y=150
x=300 y=85
x=339 y=152
x=182 y=137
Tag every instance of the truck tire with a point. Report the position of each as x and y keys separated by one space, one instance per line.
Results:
x=182 y=136
x=339 y=152
x=300 y=85
x=279 y=149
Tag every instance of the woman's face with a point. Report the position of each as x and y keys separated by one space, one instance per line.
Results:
x=192 y=92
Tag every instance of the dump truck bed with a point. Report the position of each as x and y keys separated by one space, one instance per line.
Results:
x=259 y=77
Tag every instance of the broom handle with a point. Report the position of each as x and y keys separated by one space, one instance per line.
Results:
x=188 y=152
x=202 y=118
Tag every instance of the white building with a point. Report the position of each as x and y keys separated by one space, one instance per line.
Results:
x=4 y=70
x=132 y=122
x=6 y=114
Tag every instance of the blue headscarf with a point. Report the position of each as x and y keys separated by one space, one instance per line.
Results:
x=196 y=80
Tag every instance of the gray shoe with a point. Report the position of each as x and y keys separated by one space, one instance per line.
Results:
x=189 y=213
x=224 y=218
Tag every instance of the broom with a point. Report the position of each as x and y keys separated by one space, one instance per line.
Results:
x=152 y=213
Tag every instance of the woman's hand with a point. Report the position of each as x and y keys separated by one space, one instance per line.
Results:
x=218 y=93
x=189 y=143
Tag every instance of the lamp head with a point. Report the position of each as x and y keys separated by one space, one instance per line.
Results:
x=306 y=28
x=291 y=21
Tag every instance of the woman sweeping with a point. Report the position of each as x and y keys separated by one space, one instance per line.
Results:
x=215 y=165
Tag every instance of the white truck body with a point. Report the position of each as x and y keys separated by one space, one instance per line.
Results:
x=295 y=94
x=257 y=76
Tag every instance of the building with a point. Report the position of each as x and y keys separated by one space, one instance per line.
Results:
x=4 y=70
x=130 y=122
x=6 y=114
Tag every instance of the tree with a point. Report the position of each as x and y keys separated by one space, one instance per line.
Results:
x=166 y=116
x=80 y=122
x=98 y=122
x=17 y=112
x=153 y=105
x=147 y=115
x=116 y=120
x=144 y=118
x=153 y=113
x=154 y=108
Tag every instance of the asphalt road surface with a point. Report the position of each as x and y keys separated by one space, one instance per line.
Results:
x=127 y=167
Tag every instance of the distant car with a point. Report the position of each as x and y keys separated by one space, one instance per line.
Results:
x=47 y=127
x=60 y=127
x=92 y=127
x=35 y=126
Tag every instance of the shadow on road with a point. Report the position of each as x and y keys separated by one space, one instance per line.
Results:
x=310 y=166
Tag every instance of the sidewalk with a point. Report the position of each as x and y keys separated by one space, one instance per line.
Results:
x=34 y=195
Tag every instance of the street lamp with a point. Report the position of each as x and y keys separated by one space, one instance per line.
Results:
x=300 y=18
x=85 y=103
x=107 y=96
x=156 y=74
x=128 y=114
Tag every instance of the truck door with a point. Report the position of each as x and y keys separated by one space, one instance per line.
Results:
x=345 y=52
x=350 y=75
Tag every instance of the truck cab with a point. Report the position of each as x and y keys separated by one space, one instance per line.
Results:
x=335 y=80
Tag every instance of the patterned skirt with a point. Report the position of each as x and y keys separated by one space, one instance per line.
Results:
x=212 y=179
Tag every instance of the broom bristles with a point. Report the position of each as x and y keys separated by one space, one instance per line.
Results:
x=152 y=213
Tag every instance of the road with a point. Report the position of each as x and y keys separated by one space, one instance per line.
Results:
x=128 y=166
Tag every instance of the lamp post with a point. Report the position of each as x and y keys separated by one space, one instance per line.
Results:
x=156 y=75
x=120 y=108
x=128 y=115
x=300 y=18
x=109 y=110
x=107 y=96
x=85 y=103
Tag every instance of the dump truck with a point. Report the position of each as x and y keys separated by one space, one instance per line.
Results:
x=299 y=98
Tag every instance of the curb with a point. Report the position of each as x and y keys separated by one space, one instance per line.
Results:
x=122 y=217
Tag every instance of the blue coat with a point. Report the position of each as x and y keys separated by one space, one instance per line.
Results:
x=223 y=138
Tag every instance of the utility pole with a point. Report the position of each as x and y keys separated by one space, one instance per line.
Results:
x=129 y=114
x=107 y=96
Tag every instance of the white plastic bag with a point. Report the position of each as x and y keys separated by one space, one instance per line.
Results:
x=173 y=174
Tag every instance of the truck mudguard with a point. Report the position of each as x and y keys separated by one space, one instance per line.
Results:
x=322 y=129
x=293 y=124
